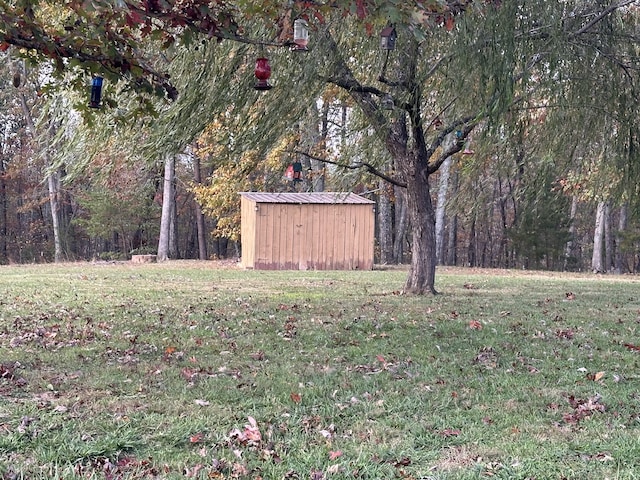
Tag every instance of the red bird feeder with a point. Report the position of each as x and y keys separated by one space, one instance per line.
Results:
x=262 y=72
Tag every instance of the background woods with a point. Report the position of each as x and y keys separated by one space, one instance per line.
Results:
x=495 y=134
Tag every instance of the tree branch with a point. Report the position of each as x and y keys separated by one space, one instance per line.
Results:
x=607 y=11
x=355 y=166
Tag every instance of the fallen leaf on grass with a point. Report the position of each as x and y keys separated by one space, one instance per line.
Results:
x=196 y=438
x=335 y=454
x=193 y=472
x=189 y=374
x=202 y=403
x=250 y=435
x=403 y=462
x=595 y=376
x=567 y=334
x=634 y=348
x=450 y=432
x=259 y=355
x=295 y=397
x=475 y=325
x=583 y=408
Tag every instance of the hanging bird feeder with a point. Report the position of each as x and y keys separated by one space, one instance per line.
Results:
x=297 y=171
x=96 y=92
x=388 y=38
x=300 y=35
x=288 y=173
x=262 y=73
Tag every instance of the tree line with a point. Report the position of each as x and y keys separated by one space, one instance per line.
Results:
x=494 y=134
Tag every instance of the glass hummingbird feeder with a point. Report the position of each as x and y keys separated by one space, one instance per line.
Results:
x=300 y=35
x=96 y=92
x=388 y=38
x=262 y=73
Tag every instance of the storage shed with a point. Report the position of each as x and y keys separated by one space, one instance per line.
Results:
x=307 y=231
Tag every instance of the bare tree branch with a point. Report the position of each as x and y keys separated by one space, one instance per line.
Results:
x=355 y=166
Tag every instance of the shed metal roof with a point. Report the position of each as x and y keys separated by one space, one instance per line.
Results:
x=306 y=198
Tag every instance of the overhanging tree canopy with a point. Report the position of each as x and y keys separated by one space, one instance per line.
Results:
x=462 y=61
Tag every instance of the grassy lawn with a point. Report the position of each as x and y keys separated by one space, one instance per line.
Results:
x=184 y=370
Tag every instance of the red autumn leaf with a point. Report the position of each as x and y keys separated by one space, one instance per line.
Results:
x=4 y=46
x=380 y=358
x=635 y=348
x=295 y=397
x=189 y=374
x=369 y=28
x=449 y=23
x=335 y=454
x=475 y=325
x=196 y=438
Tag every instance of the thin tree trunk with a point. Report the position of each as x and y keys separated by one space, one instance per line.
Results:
x=452 y=239
x=385 y=224
x=569 y=249
x=622 y=227
x=53 y=181
x=168 y=209
x=452 y=252
x=400 y=226
x=3 y=213
x=53 y=184
x=200 y=220
x=597 y=260
x=443 y=188
x=471 y=247
x=608 y=238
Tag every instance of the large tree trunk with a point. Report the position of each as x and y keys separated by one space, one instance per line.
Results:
x=422 y=272
x=412 y=156
x=168 y=209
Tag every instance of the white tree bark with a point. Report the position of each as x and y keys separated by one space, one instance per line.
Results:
x=443 y=189
x=53 y=183
x=168 y=208
x=597 y=259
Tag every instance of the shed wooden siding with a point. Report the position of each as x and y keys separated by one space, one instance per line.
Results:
x=307 y=231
